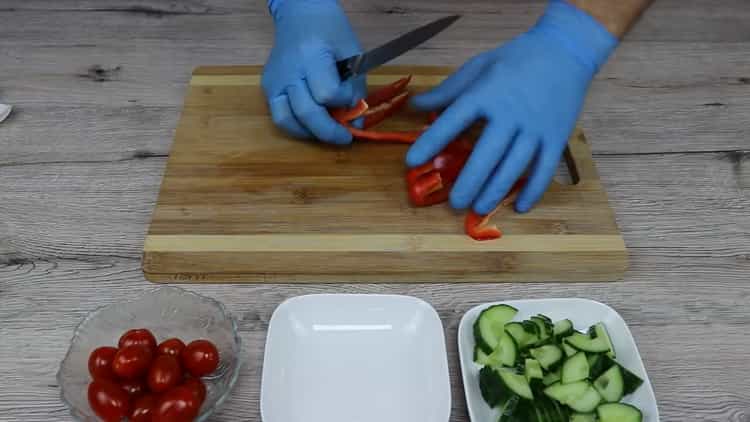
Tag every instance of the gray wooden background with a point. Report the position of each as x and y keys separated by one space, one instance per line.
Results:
x=97 y=87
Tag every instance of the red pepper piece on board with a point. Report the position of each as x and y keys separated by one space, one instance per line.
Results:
x=478 y=227
x=377 y=113
x=345 y=115
x=430 y=183
x=388 y=92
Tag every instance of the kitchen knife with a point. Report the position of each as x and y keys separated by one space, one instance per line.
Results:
x=363 y=63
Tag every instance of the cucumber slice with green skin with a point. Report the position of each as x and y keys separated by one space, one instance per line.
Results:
x=546 y=318
x=610 y=385
x=598 y=363
x=587 y=344
x=490 y=325
x=566 y=392
x=618 y=412
x=568 y=349
x=509 y=410
x=533 y=370
x=544 y=331
x=551 y=377
x=521 y=335
x=563 y=328
x=504 y=355
x=631 y=381
x=493 y=390
x=582 y=417
x=587 y=402
x=575 y=368
x=599 y=331
x=480 y=357
x=548 y=356
x=516 y=383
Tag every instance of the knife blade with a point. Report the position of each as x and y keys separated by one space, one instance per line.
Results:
x=363 y=63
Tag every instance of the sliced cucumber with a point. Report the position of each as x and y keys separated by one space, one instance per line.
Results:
x=586 y=402
x=575 y=368
x=490 y=325
x=619 y=412
x=492 y=388
x=630 y=380
x=599 y=331
x=546 y=318
x=610 y=384
x=480 y=357
x=509 y=410
x=545 y=330
x=568 y=349
x=597 y=364
x=533 y=370
x=524 y=335
x=582 y=417
x=548 y=356
x=563 y=328
x=516 y=383
x=587 y=344
x=504 y=355
x=566 y=392
x=551 y=377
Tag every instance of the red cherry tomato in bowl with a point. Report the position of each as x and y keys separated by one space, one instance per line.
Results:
x=135 y=387
x=143 y=408
x=132 y=361
x=164 y=373
x=176 y=405
x=100 y=363
x=171 y=347
x=198 y=388
x=200 y=358
x=139 y=336
x=108 y=400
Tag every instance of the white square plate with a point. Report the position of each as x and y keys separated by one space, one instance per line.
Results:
x=355 y=358
x=583 y=313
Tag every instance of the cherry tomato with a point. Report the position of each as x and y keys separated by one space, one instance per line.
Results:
x=132 y=361
x=140 y=336
x=176 y=405
x=108 y=400
x=165 y=373
x=100 y=363
x=198 y=388
x=143 y=408
x=135 y=388
x=172 y=347
x=200 y=357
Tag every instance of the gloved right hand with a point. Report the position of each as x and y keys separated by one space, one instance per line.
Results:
x=300 y=79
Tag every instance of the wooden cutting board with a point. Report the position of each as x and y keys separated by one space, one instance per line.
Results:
x=241 y=202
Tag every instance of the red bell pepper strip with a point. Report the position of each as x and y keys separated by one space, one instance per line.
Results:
x=377 y=113
x=387 y=92
x=478 y=227
x=345 y=115
x=430 y=183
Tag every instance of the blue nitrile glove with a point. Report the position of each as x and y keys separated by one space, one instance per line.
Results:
x=300 y=78
x=529 y=92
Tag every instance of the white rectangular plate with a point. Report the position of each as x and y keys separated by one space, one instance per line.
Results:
x=583 y=313
x=355 y=358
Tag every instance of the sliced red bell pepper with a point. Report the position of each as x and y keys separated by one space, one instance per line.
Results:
x=377 y=113
x=388 y=92
x=345 y=115
x=478 y=227
x=430 y=183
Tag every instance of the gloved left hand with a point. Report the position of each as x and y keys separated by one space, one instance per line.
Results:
x=530 y=92
x=300 y=78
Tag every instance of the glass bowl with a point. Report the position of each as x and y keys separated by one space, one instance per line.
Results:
x=167 y=312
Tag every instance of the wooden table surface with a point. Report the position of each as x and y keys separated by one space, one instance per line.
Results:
x=97 y=87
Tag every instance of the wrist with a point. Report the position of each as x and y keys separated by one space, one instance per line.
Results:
x=276 y=7
x=578 y=33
